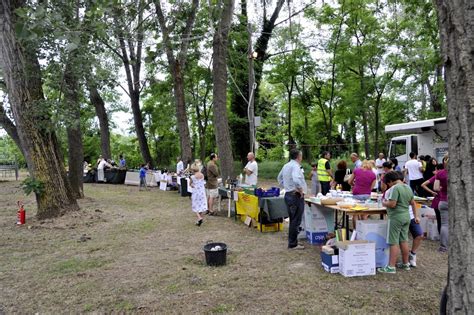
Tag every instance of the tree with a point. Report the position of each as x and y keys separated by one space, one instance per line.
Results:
x=96 y=99
x=129 y=29
x=31 y=113
x=456 y=21
x=7 y=124
x=177 y=66
x=219 y=92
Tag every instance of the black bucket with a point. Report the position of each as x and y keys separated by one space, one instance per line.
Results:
x=217 y=257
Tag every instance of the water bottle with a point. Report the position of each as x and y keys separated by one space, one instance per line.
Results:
x=379 y=201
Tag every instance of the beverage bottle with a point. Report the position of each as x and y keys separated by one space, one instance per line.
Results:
x=379 y=201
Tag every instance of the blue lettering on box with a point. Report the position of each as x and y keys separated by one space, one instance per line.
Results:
x=317 y=238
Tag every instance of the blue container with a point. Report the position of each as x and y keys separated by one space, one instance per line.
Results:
x=272 y=192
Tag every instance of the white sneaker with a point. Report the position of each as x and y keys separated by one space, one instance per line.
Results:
x=412 y=260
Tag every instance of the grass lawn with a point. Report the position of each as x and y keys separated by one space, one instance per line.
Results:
x=145 y=255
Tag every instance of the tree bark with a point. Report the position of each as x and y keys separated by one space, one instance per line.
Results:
x=219 y=78
x=73 y=127
x=10 y=128
x=100 y=111
x=238 y=66
x=177 y=67
x=22 y=74
x=456 y=21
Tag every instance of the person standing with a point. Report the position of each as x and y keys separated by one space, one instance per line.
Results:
x=363 y=180
x=179 y=167
x=212 y=173
x=340 y=174
x=324 y=172
x=122 y=162
x=292 y=180
x=198 y=198
x=356 y=160
x=397 y=200
x=415 y=175
x=313 y=176
x=379 y=165
x=442 y=178
x=251 y=170
x=142 y=176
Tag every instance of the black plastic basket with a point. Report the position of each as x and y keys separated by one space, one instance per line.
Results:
x=215 y=258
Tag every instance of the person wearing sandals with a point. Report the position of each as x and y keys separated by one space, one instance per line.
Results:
x=397 y=200
x=198 y=197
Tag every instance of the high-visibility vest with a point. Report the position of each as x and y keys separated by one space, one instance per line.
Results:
x=323 y=174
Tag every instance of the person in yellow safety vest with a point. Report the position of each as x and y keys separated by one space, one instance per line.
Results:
x=324 y=172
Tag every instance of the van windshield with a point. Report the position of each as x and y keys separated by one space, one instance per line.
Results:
x=398 y=148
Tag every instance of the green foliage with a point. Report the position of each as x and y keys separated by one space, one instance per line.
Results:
x=30 y=185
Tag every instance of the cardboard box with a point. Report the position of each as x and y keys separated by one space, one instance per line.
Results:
x=432 y=230
x=334 y=269
x=375 y=231
x=317 y=224
x=330 y=263
x=316 y=238
x=356 y=258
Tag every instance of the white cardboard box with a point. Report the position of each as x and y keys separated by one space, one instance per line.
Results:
x=375 y=231
x=356 y=258
x=432 y=230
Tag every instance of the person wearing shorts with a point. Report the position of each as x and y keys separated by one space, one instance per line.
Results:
x=417 y=234
x=398 y=198
x=211 y=183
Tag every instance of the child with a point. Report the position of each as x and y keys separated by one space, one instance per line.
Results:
x=397 y=200
x=142 y=178
x=313 y=176
x=198 y=197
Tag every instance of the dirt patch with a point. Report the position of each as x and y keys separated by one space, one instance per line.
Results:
x=140 y=252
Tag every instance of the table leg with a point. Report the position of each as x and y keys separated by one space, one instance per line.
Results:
x=335 y=220
x=219 y=204
x=228 y=208
x=347 y=226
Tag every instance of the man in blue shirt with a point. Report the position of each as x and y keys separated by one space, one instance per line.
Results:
x=122 y=162
x=355 y=159
x=291 y=178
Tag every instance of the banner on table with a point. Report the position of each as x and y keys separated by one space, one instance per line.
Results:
x=247 y=205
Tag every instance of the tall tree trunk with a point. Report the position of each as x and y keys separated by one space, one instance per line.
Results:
x=456 y=21
x=365 y=122
x=238 y=66
x=181 y=115
x=9 y=127
x=22 y=74
x=353 y=135
x=132 y=61
x=99 y=105
x=377 y=123
x=73 y=128
x=177 y=66
x=219 y=78
x=261 y=46
x=139 y=129
x=306 y=149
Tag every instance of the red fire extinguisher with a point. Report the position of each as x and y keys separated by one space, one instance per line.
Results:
x=21 y=214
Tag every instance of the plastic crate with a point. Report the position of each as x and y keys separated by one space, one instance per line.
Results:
x=272 y=227
x=272 y=192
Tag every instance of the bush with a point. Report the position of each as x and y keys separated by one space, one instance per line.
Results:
x=270 y=169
